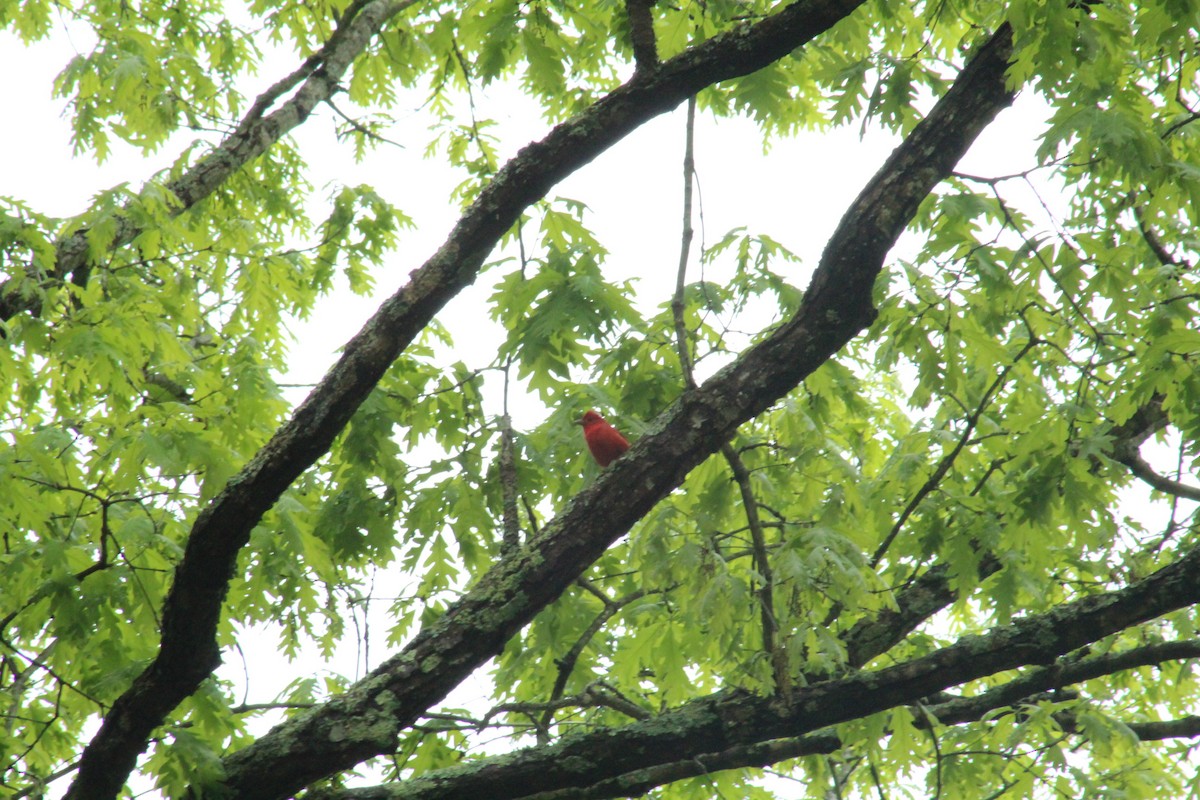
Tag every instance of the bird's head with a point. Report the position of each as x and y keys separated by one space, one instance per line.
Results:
x=589 y=417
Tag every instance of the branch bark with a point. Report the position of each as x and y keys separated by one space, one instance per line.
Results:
x=1131 y=458
x=641 y=34
x=507 y=471
x=735 y=729
x=1128 y=438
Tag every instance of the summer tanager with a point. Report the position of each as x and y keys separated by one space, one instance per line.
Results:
x=605 y=442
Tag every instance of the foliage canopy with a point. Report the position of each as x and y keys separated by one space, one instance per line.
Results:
x=920 y=515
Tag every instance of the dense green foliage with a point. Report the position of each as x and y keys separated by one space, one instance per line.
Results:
x=1034 y=330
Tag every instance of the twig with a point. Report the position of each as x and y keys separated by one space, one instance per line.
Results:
x=361 y=128
x=566 y=665
x=508 y=482
x=39 y=786
x=1161 y=254
x=947 y=461
x=766 y=584
x=685 y=246
x=766 y=578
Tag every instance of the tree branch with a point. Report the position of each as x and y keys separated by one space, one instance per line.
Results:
x=947 y=461
x=760 y=754
x=318 y=78
x=1155 y=243
x=678 y=299
x=1128 y=438
x=1058 y=676
x=1183 y=728
x=566 y=665
x=1132 y=459
x=1148 y=419
x=765 y=592
x=925 y=596
x=641 y=35
x=734 y=729
x=507 y=469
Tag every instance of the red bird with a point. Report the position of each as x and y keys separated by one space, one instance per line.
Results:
x=605 y=442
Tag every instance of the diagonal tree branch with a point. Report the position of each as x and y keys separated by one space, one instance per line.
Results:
x=925 y=596
x=566 y=664
x=318 y=78
x=366 y=720
x=735 y=729
x=1128 y=437
x=947 y=461
x=1146 y=420
x=188 y=652
x=1131 y=458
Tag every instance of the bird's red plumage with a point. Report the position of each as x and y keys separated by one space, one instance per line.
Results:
x=605 y=441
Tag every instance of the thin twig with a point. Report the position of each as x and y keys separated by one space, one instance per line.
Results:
x=566 y=665
x=361 y=128
x=932 y=482
x=685 y=246
x=765 y=591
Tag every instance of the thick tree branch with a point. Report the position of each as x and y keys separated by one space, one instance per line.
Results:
x=1128 y=438
x=917 y=602
x=641 y=34
x=318 y=78
x=762 y=754
x=734 y=729
x=366 y=720
x=826 y=741
x=1182 y=728
x=1141 y=468
x=1147 y=420
x=1060 y=675
x=188 y=652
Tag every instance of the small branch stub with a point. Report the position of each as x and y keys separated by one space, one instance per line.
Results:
x=641 y=35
